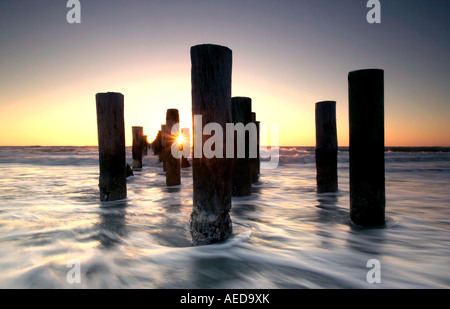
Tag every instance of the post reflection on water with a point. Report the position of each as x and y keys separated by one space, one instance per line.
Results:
x=112 y=224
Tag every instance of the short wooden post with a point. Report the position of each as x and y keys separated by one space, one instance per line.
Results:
x=137 y=149
x=157 y=144
x=144 y=145
x=241 y=110
x=326 y=147
x=173 y=176
x=211 y=98
x=366 y=151
x=163 y=143
x=157 y=148
x=111 y=146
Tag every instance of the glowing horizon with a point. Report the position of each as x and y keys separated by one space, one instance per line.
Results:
x=286 y=57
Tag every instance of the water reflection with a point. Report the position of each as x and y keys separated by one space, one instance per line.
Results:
x=328 y=216
x=366 y=240
x=172 y=229
x=327 y=209
x=112 y=224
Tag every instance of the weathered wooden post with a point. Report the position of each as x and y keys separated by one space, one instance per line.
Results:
x=258 y=163
x=111 y=146
x=326 y=147
x=144 y=145
x=186 y=144
x=241 y=111
x=255 y=161
x=163 y=143
x=137 y=149
x=166 y=147
x=366 y=151
x=173 y=176
x=211 y=98
x=157 y=144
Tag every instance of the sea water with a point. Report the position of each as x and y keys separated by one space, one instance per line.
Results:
x=285 y=235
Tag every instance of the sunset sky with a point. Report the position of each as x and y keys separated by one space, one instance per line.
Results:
x=287 y=55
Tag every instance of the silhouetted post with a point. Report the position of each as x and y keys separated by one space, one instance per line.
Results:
x=165 y=148
x=366 y=116
x=137 y=149
x=326 y=147
x=211 y=98
x=145 y=145
x=163 y=142
x=255 y=161
x=186 y=143
x=111 y=146
x=258 y=163
x=173 y=177
x=241 y=111
x=157 y=144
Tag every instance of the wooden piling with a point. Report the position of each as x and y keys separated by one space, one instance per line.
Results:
x=241 y=111
x=173 y=177
x=211 y=98
x=162 y=143
x=255 y=161
x=137 y=149
x=157 y=150
x=366 y=151
x=111 y=146
x=144 y=145
x=258 y=162
x=326 y=147
x=155 y=143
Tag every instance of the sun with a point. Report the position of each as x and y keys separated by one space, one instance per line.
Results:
x=180 y=139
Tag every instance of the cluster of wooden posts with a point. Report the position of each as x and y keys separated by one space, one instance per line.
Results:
x=217 y=179
x=162 y=145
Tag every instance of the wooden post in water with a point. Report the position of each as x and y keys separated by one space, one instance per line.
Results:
x=137 y=149
x=173 y=176
x=165 y=148
x=326 y=147
x=163 y=143
x=241 y=111
x=255 y=161
x=111 y=146
x=258 y=163
x=144 y=145
x=366 y=151
x=157 y=144
x=211 y=98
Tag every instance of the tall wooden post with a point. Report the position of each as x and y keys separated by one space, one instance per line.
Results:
x=137 y=149
x=111 y=146
x=326 y=147
x=241 y=110
x=366 y=116
x=173 y=176
x=211 y=98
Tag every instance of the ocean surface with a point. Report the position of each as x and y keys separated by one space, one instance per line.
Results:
x=286 y=235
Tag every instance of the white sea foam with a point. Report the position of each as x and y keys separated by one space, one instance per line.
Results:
x=285 y=234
